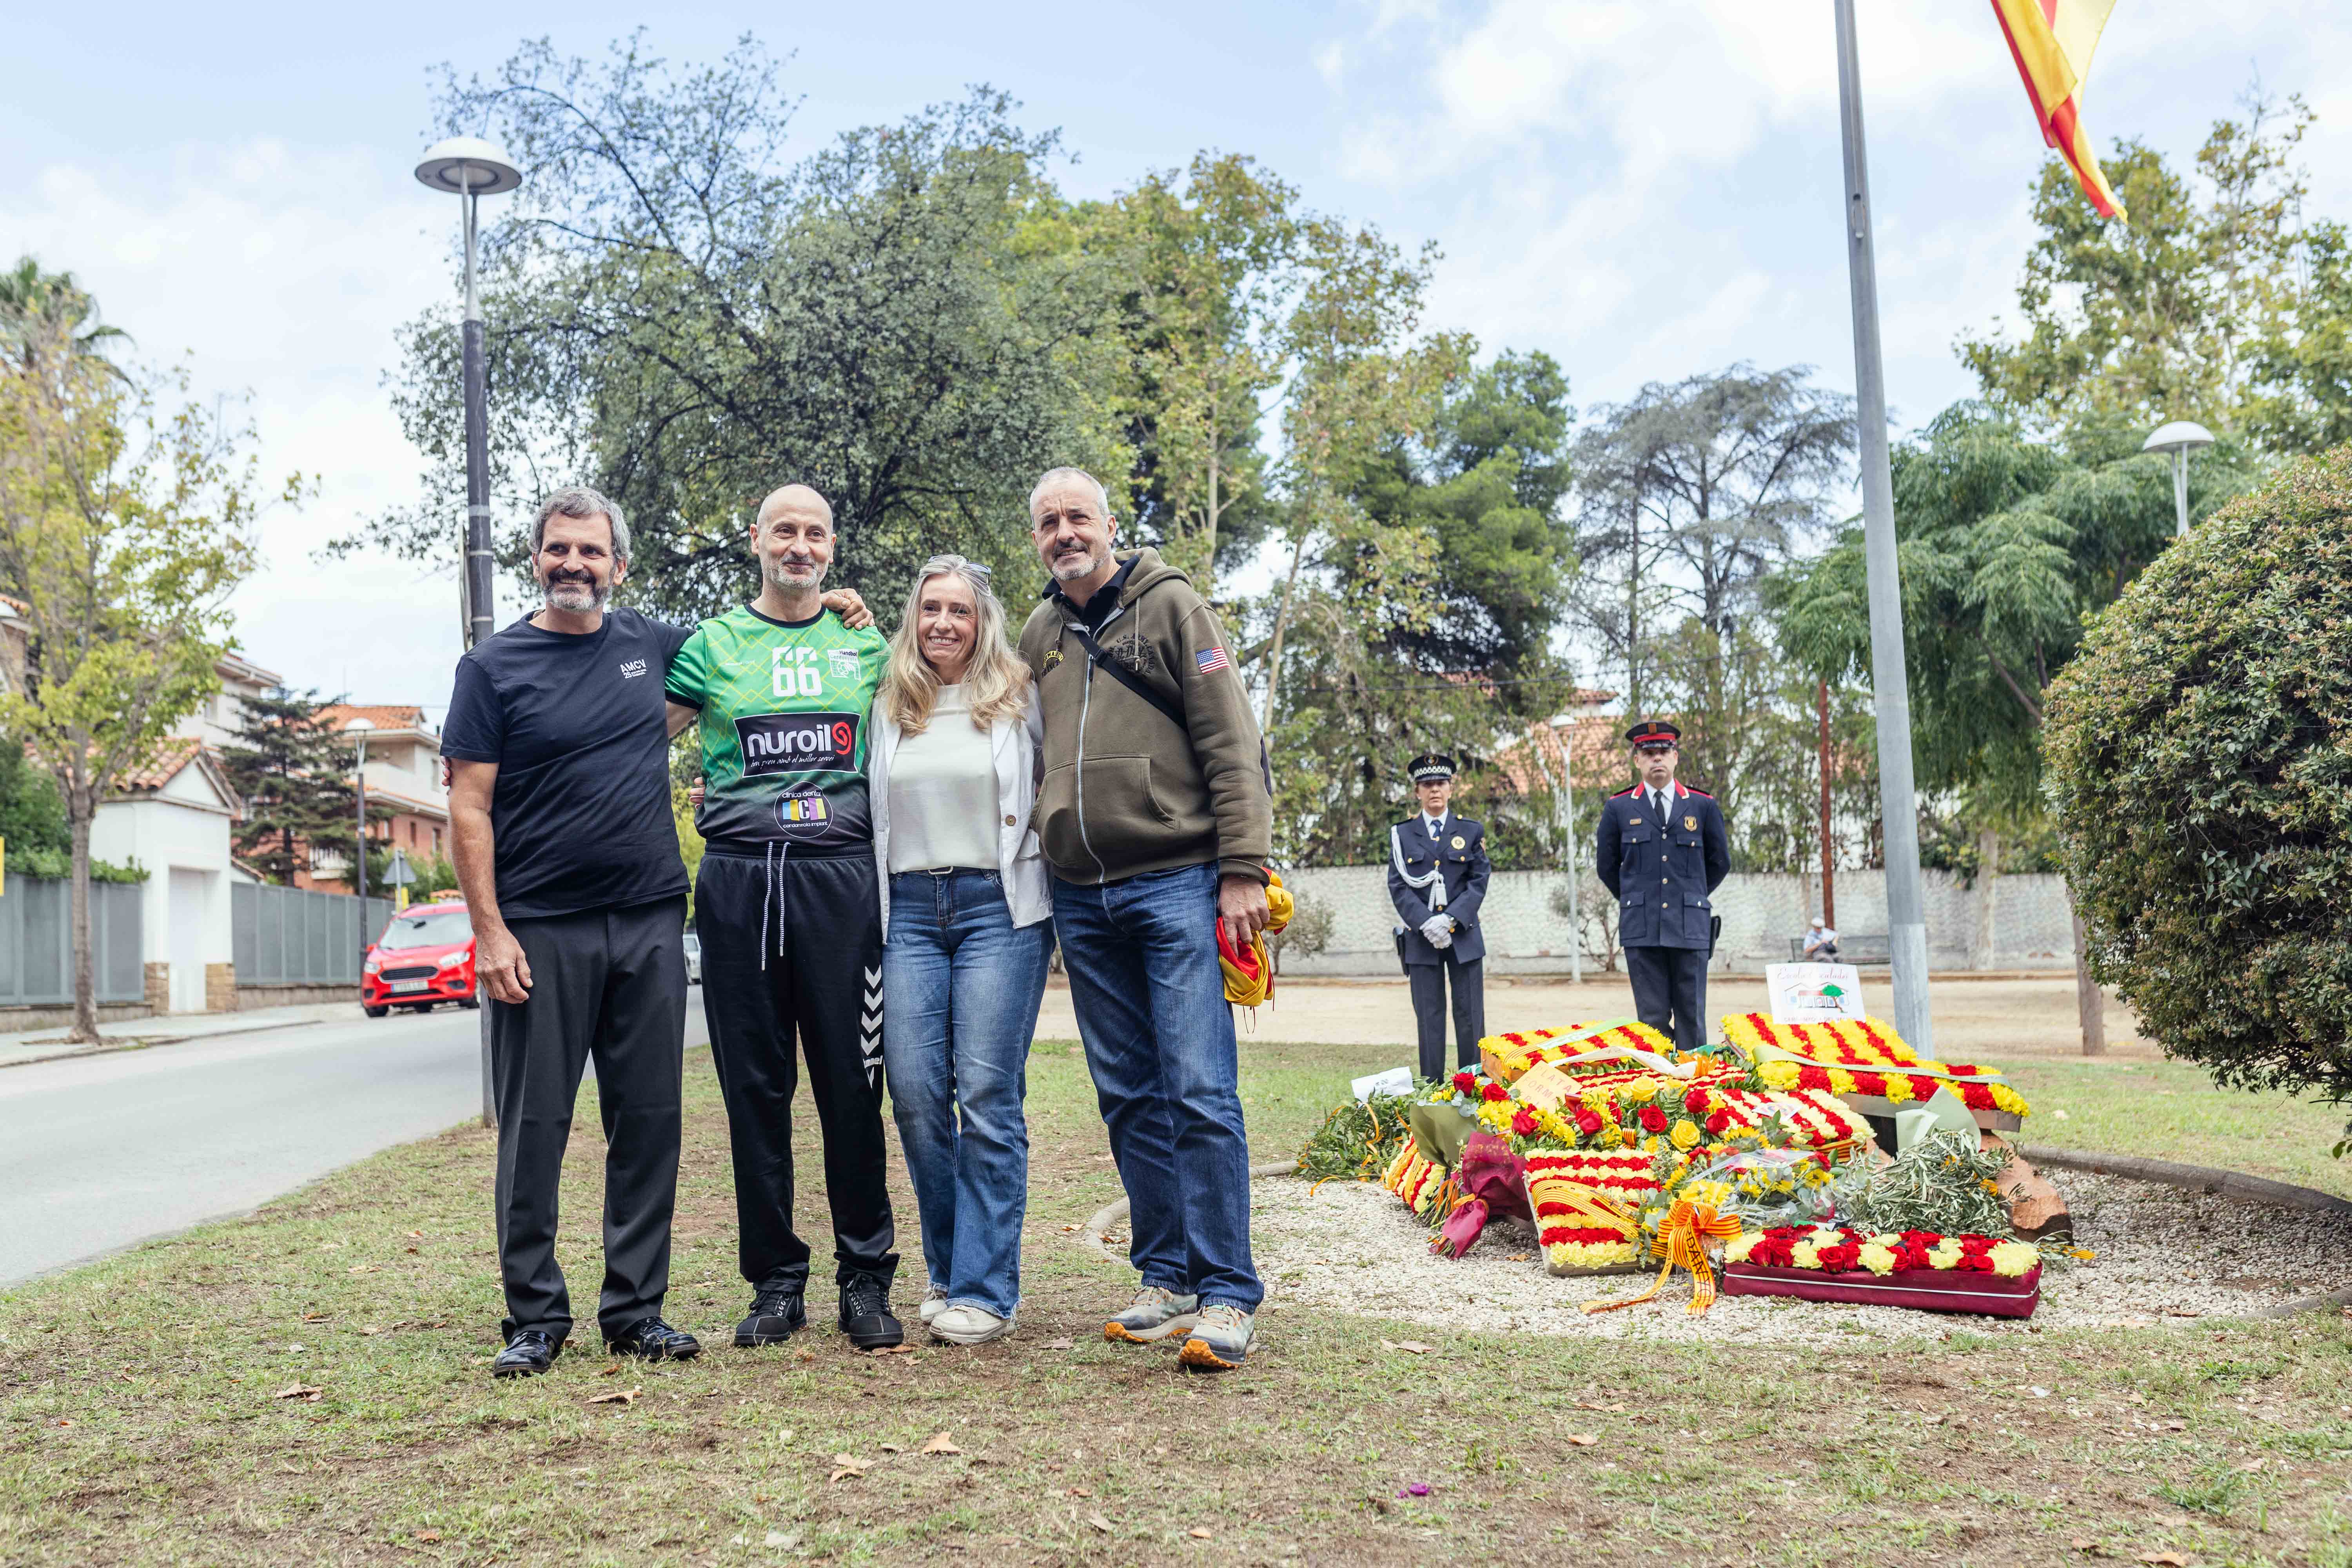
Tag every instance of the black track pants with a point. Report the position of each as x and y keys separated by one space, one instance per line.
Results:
x=1670 y=992
x=794 y=946
x=609 y=983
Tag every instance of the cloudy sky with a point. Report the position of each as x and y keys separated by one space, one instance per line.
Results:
x=1641 y=187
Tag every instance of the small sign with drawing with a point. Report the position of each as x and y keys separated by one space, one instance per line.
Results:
x=1814 y=993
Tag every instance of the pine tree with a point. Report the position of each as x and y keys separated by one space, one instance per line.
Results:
x=295 y=777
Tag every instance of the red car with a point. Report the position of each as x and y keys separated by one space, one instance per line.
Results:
x=425 y=955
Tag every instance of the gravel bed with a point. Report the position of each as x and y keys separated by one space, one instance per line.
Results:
x=2163 y=1254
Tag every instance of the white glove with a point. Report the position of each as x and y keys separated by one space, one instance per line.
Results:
x=1438 y=930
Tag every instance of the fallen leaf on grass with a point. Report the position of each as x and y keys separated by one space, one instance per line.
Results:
x=1099 y=1523
x=612 y=1371
x=365 y=1269
x=428 y=1535
x=1197 y=1533
x=805 y=1353
x=2181 y=1312
x=1060 y=1344
x=314 y=1317
x=850 y=1467
x=1582 y=1439
x=892 y=1449
x=1519 y=1257
x=1080 y=1492
x=299 y=1390
x=942 y=1443
x=66 y=1420
x=618 y=1396
x=1412 y=1347
x=2165 y=1559
x=892 y=1349
x=416 y=1233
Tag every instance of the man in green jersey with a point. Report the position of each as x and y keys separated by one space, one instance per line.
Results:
x=788 y=911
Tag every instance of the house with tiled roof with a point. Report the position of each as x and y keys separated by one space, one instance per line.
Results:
x=173 y=816
x=408 y=806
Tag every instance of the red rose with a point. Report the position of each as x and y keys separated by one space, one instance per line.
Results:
x=1524 y=1123
x=1495 y=1091
x=1786 y=1232
x=1772 y=1252
x=1909 y=1257
x=1719 y=1121
x=1974 y=1246
x=1694 y=1101
x=1652 y=1118
x=1840 y=1259
x=1586 y=1123
x=1464 y=1083
x=1975 y=1263
x=1922 y=1239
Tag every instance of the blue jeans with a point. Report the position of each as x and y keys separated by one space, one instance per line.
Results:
x=1151 y=999
x=961 y=985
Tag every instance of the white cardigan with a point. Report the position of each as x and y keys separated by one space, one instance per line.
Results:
x=1021 y=859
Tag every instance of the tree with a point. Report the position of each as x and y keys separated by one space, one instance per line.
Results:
x=123 y=527
x=2196 y=753
x=1215 y=267
x=906 y=320
x=2171 y=316
x=2303 y=366
x=2007 y=545
x=294 y=775
x=35 y=306
x=1694 y=491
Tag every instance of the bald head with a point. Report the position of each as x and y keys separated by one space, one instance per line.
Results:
x=798 y=497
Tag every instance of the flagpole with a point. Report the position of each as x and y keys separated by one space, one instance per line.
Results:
x=1907 y=922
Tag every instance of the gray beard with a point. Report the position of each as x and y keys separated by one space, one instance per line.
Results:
x=577 y=598
x=773 y=570
x=1065 y=571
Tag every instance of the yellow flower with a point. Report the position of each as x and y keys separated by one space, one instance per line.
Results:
x=1805 y=1255
x=1685 y=1133
x=2013 y=1259
x=1898 y=1087
x=1714 y=1194
x=1814 y=1174
x=1877 y=1260
x=1612 y=1138
x=1736 y=1249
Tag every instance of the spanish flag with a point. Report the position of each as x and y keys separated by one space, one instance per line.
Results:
x=2052 y=41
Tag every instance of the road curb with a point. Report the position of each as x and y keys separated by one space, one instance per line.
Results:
x=149 y=1043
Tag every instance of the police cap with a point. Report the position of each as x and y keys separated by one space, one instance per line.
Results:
x=1430 y=765
x=1653 y=735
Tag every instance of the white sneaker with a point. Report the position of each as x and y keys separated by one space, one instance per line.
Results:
x=970 y=1326
x=935 y=1301
x=1154 y=1314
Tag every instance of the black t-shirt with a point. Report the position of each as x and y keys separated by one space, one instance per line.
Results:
x=575 y=724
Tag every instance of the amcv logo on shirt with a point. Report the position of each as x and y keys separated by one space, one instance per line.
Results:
x=633 y=669
x=797 y=742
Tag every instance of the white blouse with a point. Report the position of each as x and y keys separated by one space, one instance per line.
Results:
x=943 y=792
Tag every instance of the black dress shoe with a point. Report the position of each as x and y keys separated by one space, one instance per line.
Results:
x=778 y=1312
x=650 y=1338
x=865 y=1313
x=528 y=1354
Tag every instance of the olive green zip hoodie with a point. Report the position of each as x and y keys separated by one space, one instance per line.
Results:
x=1123 y=791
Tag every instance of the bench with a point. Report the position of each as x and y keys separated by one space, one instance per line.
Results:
x=1864 y=948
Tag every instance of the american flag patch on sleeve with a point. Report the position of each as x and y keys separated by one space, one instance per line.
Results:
x=1212 y=658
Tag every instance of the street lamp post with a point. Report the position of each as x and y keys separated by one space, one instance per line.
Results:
x=359 y=730
x=2179 y=437
x=471 y=168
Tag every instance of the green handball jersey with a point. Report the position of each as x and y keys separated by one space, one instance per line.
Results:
x=784 y=710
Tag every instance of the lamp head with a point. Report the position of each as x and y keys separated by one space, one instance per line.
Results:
x=468 y=165
x=2179 y=436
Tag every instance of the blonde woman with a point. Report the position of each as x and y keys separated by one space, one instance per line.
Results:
x=966 y=933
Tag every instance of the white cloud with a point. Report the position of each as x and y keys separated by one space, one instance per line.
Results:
x=283 y=274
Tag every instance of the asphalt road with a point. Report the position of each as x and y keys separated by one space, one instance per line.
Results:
x=100 y=1152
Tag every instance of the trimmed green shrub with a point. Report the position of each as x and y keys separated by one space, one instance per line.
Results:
x=2199 y=756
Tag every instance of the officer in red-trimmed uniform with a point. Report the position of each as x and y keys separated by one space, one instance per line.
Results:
x=1663 y=852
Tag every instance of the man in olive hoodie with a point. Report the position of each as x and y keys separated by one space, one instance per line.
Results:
x=1157 y=817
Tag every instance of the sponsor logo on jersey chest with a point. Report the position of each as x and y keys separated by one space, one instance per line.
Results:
x=797 y=742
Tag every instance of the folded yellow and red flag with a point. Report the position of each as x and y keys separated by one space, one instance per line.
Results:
x=2051 y=42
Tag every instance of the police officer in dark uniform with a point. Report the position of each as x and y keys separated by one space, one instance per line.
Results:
x=1437 y=880
x=1663 y=852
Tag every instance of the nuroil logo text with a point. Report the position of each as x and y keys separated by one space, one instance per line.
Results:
x=797 y=742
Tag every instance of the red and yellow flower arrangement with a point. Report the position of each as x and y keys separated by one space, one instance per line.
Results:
x=1859 y=1056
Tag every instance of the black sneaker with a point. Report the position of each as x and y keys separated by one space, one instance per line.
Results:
x=650 y=1338
x=865 y=1313
x=778 y=1312
x=531 y=1352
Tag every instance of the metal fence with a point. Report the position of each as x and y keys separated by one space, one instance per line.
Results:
x=36 y=942
x=290 y=936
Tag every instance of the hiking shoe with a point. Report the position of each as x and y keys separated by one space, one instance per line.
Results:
x=650 y=1338
x=1154 y=1314
x=778 y=1312
x=528 y=1354
x=1221 y=1341
x=935 y=1301
x=970 y=1326
x=865 y=1313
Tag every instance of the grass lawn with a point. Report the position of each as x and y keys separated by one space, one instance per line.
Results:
x=138 y=1421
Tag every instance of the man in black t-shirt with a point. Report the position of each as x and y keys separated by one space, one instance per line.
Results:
x=567 y=851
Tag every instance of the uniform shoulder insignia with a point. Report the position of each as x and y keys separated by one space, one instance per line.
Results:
x=1700 y=793
x=1621 y=794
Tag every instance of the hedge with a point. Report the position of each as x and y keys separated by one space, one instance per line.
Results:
x=2198 y=758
